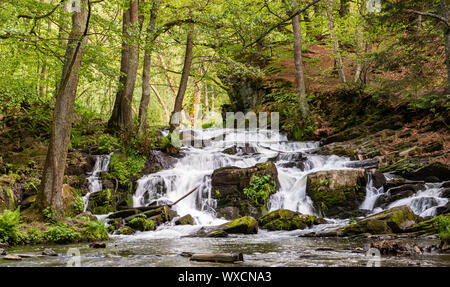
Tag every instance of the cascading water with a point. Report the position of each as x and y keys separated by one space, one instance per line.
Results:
x=94 y=183
x=294 y=161
x=196 y=167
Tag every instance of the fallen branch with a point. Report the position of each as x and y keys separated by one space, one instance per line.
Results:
x=184 y=196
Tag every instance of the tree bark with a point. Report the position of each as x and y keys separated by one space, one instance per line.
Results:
x=445 y=14
x=360 y=44
x=196 y=103
x=145 y=99
x=178 y=106
x=50 y=192
x=335 y=41
x=122 y=115
x=206 y=99
x=299 y=71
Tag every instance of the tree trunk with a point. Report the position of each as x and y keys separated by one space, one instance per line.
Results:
x=360 y=43
x=184 y=78
x=50 y=192
x=163 y=105
x=212 y=99
x=206 y=99
x=122 y=115
x=145 y=99
x=196 y=103
x=445 y=14
x=334 y=40
x=299 y=71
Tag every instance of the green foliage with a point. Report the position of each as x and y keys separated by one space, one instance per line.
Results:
x=260 y=189
x=48 y=214
x=78 y=205
x=166 y=145
x=324 y=182
x=95 y=230
x=443 y=224
x=107 y=144
x=124 y=167
x=61 y=233
x=34 y=236
x=208 y=125
x=9 y=226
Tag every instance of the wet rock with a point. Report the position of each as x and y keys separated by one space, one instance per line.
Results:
x=2 y=251
x=12 y=257
x=397 y=193
x=284 y=219
x=443 y=209
x=127 y=231
x=29 y=255
x=88 y=215
x=229 y=212
x=365 y=164
x=217 y=234
x=79 y=163
x=240 y=150
x=49 y=252
x=437 y=169
x=394 y=220
x=337 y=191
x=141 y=223
x=446 y=193
x=291 y=160
x=397 y=247
x=123 y=213
x=243 y=225
x=228 y=184
x=185 y=220
x=97 y=245
x=157 y=161
x=102 y=202
x=378 y=179
x=218 y=257
x=186 y=254
x=396 y=182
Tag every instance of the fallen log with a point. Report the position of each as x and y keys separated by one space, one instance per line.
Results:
x=218 y=257
x=184 y=196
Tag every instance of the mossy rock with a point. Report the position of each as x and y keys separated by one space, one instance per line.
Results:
x=243 y=225
x=141 y=223
x=336 y=192
x=102 y=202
x=123 y=213
x=185 y=220
x=127 y=231
x=284 y=219
x=395 y=220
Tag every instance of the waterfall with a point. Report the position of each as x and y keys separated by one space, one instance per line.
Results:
x=372 y=193
x=94 y=183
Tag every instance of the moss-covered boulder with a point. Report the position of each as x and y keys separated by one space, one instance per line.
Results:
x=435 y=169
x=8 y=199
x=127 y=231
x=337 y=193
x=102 y=202
x=247 y=189
x=185 y=220
x=284 y=219
x=243 y=225
x=141 y=223
x=395 y=220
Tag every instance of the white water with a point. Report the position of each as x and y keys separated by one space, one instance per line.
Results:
x=94 y=183
x=372 y=194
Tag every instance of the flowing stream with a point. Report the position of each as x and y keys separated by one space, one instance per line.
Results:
x=278 y=248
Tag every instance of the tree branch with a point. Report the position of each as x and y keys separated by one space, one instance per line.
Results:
x=440 y=18
x=281 y=23
x=42 y=16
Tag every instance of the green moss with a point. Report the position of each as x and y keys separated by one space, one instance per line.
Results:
x=61 y=233
x=246 y=225
x=284 y=219
x=127 y=231
x=95 y=230
x=141 y=223
x=124 y=167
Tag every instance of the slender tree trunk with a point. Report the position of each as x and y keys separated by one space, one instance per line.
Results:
x=196 y=103
x=360 y=43
x=334 y=40
x=299 y=71
x=145 y=99
x=206 y=99
x=161 y=101
x=50 y=191
x=166 y=74
x=178 y=106
x=445 y=14
x=122 y=115
x=213 y=100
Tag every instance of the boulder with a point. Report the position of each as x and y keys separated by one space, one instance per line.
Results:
x=228 y=212
x=378 y=179
x=123 y=213
x=49 y=252
x=365 y=164
x=240 y=150
x=102 y=202
x=291 y=160
x=79 y=163
x=396 y=247
x=141 y=223
x=69 y=195
x=396 y=193
x=217 y=234
x=435 y=169
x=336 y=192
x=12 y=257
x=446 y=193
x=127 y=231
x=395 y=220
x=228 y=184
x=284 y=219
x=443 y=209
x=185 y=220
x=97 y=245
x=2 y=251
x=243 y=225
